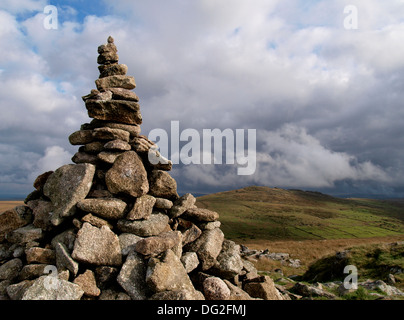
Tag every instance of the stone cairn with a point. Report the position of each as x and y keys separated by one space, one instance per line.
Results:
x=112 y=226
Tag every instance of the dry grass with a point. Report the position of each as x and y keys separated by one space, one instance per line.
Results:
x=6 y=205
x=308 y=251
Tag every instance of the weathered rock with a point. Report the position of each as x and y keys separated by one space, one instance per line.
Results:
x=64 y=260
x=229 y=263
x=84 y=157
x=162 y=203
x=25 y=234
x=142 y=144
x=32 y=271
x=110 y=134
x=108 y=58
x=128 y=242
x=116 y=81
x=17 y=290
x=237 y=293
x=96 y=221
x=52 y=288
x=94 y=147
x=67 y=238
x=208 y=247
x=98 y=246
x=156 y=224
x=127 y=175
x=167 y=273
x=10 y=269
x=190 y=234
x=142 y=208
x=81 y=137
x=264 y=288
x=41 y=180
x=190 y=261
x=43 y=212
x=156 y=161
x=13 y=219
x=123 y=94
x=87 y=283
x=108 y=157
x=215 y=288
x=66 y=186
x=178 y=295
x=40 y=255
x=157 y=244
x=106 y=276
x=124 y=111
x=200 y=214
x=181 y=205
x=133 y=129
x=114 y=70
x=111 y=208
x=162 y=185
x=117 y=145
x=110 y=294
x=209 y=225
x=132 y=277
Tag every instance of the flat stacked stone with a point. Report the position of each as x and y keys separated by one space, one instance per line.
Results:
x=112 y=225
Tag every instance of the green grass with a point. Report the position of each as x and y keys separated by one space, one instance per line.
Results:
x=372 y=261
x=277 y=214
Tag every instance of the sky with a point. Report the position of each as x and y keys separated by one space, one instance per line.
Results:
x=320 y=81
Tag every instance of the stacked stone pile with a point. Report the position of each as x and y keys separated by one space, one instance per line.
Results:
x=112 y=225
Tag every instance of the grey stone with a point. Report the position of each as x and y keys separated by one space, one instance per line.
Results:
x=87 y=283
x=156 y=224
x=142 y=208
x=13 y=219
x=96 y=221
x=81 y=137
x=17 y=290
x=127 y=176
x=157 y=244
x=162 y=203
x=167 y=273
x=208 y=247
x=25 y=234
x=110 y=134
x=52 y=288
x=162 y=185
x=200 y=214
x=68 y=185
x=84 y=157
x=116 y=81
x=108 y=157
x=127 y=112
x=132 y=277
x=110 y=208
x=128 y=242
x=117 y=145
x=64 y=260
x=190 y=261
x=181 y=205
x=133 y=129
x=10 y=269
x=264 y=289
x=215 y=288
x=98 y=246
x=113 y=70
x=229 y=263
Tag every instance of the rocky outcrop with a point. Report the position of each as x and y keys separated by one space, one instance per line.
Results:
x=112 y=225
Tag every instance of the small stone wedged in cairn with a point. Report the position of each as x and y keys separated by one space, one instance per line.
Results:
x=112 y=226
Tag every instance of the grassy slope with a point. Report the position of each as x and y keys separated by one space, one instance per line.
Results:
x=276 y=214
